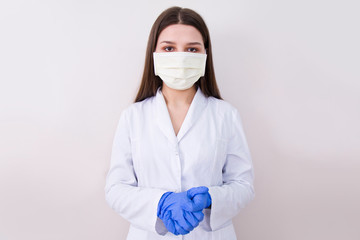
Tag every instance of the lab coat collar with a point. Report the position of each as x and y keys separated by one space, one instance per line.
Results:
x=195 y=110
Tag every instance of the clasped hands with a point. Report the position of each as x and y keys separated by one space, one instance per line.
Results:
x=182 y=212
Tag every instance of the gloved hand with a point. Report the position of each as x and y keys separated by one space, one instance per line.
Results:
x=174 y=226
x=201 y=200
x=182 y=212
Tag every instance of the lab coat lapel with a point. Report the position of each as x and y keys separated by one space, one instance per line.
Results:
x=195 y=110
x=163 y=117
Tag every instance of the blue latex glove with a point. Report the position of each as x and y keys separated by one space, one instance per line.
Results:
x=175 y=227
x=182 y=212
x=201 y=200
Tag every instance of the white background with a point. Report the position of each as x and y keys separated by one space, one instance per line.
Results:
x=68 y=68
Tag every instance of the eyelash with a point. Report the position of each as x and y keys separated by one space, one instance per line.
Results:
x=193 y=49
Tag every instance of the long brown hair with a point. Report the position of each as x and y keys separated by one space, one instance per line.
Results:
x=177 y=15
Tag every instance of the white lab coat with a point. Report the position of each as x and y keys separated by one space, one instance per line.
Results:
x=148 y=159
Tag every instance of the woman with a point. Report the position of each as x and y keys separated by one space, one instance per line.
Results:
x=180 y=162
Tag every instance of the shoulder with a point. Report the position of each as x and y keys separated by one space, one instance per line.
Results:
x=223 y=108
x=138 y=108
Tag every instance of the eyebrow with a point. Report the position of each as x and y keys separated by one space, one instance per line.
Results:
x=190 y=43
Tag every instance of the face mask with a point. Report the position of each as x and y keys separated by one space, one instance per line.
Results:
x=179 y=70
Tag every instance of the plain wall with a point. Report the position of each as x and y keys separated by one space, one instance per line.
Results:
x=68 y=68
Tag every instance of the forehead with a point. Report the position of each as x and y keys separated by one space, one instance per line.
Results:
x=180 y=33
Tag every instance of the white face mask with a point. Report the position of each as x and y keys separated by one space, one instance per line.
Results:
x=179 y=70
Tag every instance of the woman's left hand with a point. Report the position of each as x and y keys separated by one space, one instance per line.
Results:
x=200 y=199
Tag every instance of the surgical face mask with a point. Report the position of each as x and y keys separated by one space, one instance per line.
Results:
x=179 y=70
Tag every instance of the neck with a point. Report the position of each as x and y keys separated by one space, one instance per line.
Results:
x=175 y=97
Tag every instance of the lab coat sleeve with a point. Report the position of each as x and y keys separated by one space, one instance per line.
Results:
x=237 y=189
x=136 y=204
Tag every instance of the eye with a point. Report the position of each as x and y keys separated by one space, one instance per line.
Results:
x=192 y=50
x=168 y=49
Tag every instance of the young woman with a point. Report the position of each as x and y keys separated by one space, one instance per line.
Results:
x=180 y=162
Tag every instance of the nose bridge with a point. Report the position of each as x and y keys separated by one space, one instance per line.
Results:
x=184 y=45
x=181 y=48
